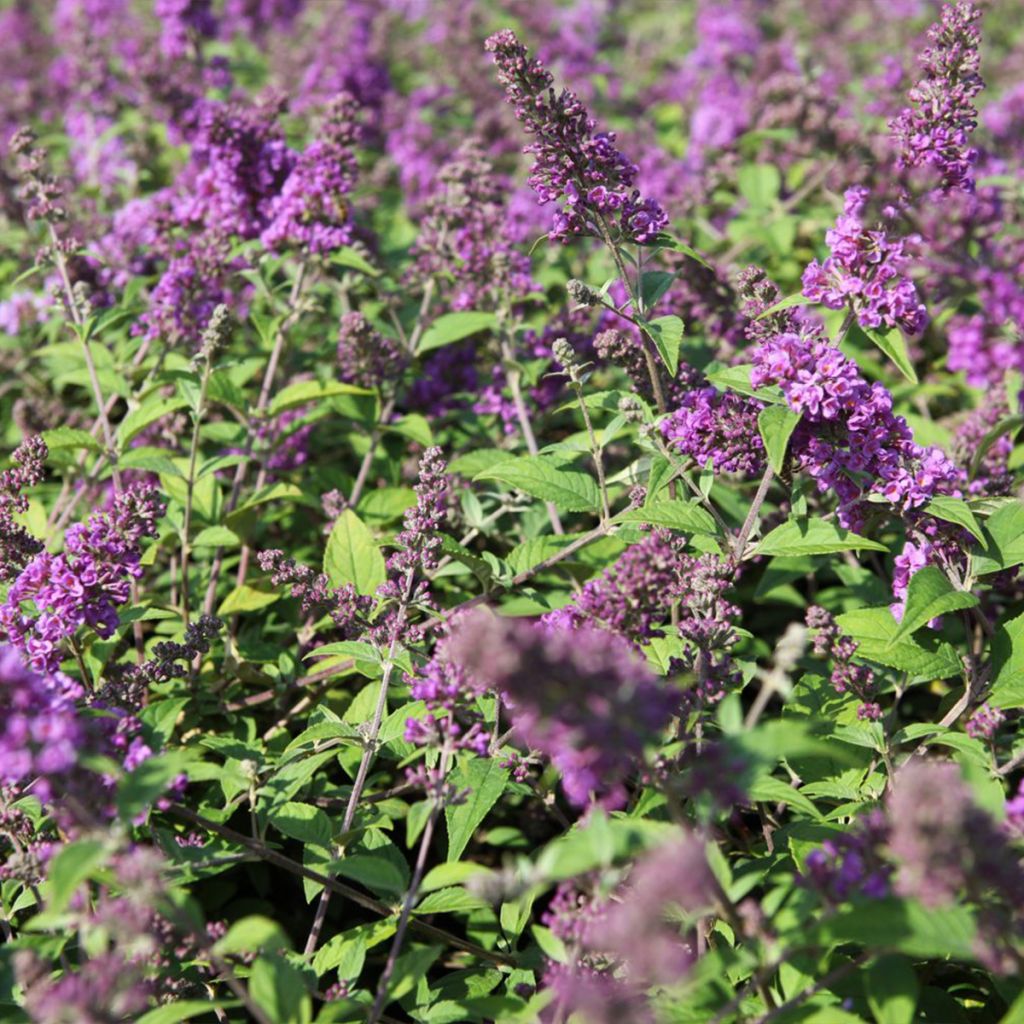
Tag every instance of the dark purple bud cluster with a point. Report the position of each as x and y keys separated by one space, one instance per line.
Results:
x=631 y=598
x=580 y=696
x=717 y=428
x=847 y=675
x=573 y=165
x=348 y=610
x=365 y=357
x=17 y=545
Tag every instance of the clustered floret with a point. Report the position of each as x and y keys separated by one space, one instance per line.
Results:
x=582 y=697
x=54 y=595
x=572 y=164
x=865 y=273
x=935 y=131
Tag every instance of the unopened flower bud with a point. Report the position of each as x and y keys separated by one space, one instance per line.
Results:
x=582 y=294
x=631 y=409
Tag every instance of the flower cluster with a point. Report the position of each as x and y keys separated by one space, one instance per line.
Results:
x=365 y=357
x=865 y=273
x=582 y=697
x=17 y=545
x=345 y=606
x=54 y=595
x=849 y=440
x=311 y=213
x=717 y=429
x=852 y=864
x=632 y=597
x=935 y=132
x=847 y=676
x=946 y=846
x=707 y=626
x=452 y=718
x=41 y=731
x=572 y=164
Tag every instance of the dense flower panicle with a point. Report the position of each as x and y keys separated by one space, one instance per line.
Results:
x=852 y=864
x=464 y=241
x=573 y=165
x=635 y=929
x=452 y=717
x=347 y=609
x=943 y=842
x=935 y=131
x=849 y=439
x=865 y=273
x=717 y=428
x=54 y=595
x=311 y=212
x=17 y=545
x=993 y=477
x=631 y=598
x=987 y=338
x=40 y=732
x=420 y=537
x=985 y=723
x=707 y=622
x=582 y=697
x=240 y=163
x=365 y=357
x=847 y=676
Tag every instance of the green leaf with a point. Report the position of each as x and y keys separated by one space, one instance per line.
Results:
x=677 y=515
x=147 y=781
x=1008 y=664
x=305 y=392
x=787 y=303
x=903 y=926
x=737 y=378
x=667 y=334
x=454 y=327
x=894 y=346
x=663 y=240
x=253 y=934
x=930 y=595
x=759 y=184
x=174 y=1013
x=247 y=599
x=304 y=822
x=352 y=555
x=769 y=789
x=278 y=989
x=71 y=866
x=1009 y=425
x=375 y=872
x=352 y=259
x=539 y=476
x=892 y=990
x=69 y=437
x=813 y=537
x=874 y=628
x=653 y=285
x=1004 y=532
x=956 y=510
x=149 y=412
x=776 y=424
x=215 y=537
x=486 y=781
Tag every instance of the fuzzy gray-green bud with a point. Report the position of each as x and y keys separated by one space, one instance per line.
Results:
x=582 y=294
